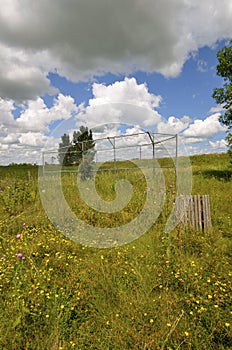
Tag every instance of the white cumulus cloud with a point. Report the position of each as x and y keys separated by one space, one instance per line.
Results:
x=18 y=137
x=83 y=39
x=219 y=144
x=123 y=101
x=173 y=125
x=204 y=129
x=6 y=116
x=37 y=116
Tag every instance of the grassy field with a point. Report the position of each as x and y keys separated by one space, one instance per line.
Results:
x=161 y=291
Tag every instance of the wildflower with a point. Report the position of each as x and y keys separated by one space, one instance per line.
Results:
x=169 y=325
x=19 y=255
x=151 y=320
x=209 y=296
x=18 y=236
x=24 y=224
x=201 y=310
x=186 y=334
x=227 y=324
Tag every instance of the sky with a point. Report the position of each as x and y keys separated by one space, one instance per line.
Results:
x=148 y=64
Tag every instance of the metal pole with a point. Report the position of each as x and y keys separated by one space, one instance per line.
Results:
x=153 y=146
x=153 y=159
x=114 y=158
x=113 y=144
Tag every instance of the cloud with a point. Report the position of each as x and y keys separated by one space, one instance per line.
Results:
x=6 y=116
x=123 y=101
x=216 y=109
x=22 y=75
x=202 y=66
x=37 y=116
x=219 y=144
x=83 y=39
x=173 y=125
x=25 y=136
x=33 y=139
x=204 y=129
x=10 y=139
x=25 y=147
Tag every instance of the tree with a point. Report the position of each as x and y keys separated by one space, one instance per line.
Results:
x=223 y=95
x=81 y=144
x=79 y=151
x=64 y=154
x=83 y=151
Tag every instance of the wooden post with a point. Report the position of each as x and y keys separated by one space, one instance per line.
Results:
x=194 y=211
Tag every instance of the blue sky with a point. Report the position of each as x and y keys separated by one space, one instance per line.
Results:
x=92 y=63
x=188 y=93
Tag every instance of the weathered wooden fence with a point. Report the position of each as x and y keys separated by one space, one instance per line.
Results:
x=194 y=211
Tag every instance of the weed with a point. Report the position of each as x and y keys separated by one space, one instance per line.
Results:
x=162 y=291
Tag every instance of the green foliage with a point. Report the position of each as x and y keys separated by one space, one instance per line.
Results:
x=82 y=146
x=72 y=152
x=160 y=292
x=223 y=96
x=64 y=154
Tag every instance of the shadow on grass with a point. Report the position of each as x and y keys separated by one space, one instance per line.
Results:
x=225 y=175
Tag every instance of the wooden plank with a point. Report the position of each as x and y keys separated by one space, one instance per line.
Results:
x=194 y=211
x=207 y=212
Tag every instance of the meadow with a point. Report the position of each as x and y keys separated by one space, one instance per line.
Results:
x=160 y=291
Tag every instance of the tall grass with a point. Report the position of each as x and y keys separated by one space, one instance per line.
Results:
x=161 y=291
